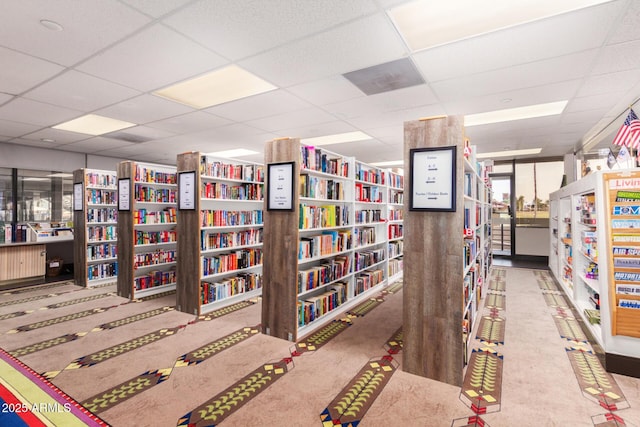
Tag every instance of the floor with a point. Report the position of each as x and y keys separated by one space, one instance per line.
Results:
x=145 y=364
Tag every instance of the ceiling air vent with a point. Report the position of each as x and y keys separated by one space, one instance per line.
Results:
x=386 y=77
x=128 y=137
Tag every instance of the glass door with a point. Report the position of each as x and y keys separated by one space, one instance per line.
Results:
x=502 y=218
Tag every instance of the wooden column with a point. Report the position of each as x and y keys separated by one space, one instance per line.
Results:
x=80 y=233
x=280 y=245
x=189 y=264
x=433 y=266
x=126 y=235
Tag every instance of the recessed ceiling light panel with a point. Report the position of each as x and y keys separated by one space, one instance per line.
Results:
x=519 y=113
x=337 y=138
x=510 y=153
x=237 y=152
x=217 y=87
x=92 y=124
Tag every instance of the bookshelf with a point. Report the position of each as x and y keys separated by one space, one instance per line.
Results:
x=95 y=246
x=221 y=237
x=147 y=236
x=477 y=256
x=340 y=228
x=395 y=229
x=598 y=242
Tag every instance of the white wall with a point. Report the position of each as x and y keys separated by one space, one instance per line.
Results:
x=532 y=241
x=24 y=157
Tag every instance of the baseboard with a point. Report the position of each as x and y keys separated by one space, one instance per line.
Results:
x=623 y=365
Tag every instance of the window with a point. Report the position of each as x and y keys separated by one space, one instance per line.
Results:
x=44 y=196
x=534 y=182
x=6 y=196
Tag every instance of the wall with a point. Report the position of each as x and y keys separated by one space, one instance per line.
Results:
x=532 y=241
x=24 y=157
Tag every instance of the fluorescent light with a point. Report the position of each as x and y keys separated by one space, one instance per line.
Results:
x=34 y=178
x=508 y=153
x=236 y=152
x=429 y=23
x=60 y=175
x=217 y=87
x=92 y=124
x=519 y=113
x=389 y=163
x=337 y=138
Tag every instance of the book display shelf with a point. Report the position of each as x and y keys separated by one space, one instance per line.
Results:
x=220 y=224
x=147 y=235
x=395 y=229
x=598 y=241
x=339 y=219
x=95 y=217
x=477 y=257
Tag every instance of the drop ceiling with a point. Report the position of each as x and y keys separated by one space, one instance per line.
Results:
x=112 y=55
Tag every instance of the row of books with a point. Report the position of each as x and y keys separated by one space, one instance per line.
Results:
x=209 y=240
x=323 y=216
x=472 y=221
x=589 y=240
x=154 y=258
x=395 y=231
x=368 y=193
x=321 y=188
x=318 y=160
x=327 y=243
x=221 y=190
x=470 y=251
x=364 y=259
x=154 y=279
x=154 y=195
x=367 y=280
x=166 y=216
x=102 y=251
x=102 y=197
x=98 y=233
x=395 y=180
x=396 y=248
x=396 y=215
x=315 y=307
x=6 y=233
x=236 y=260
x=468 y=187
x=223 y=170
x=102 y=271
x=155 y=237
x=322 y=274
x=102 y=215
x=363 y=236
x=395 y=266
x=96 y=179
x=396 y=197
x=374 y=176
x=229 y=286
x=148 y=174
x=222 y=218
x=365 y=216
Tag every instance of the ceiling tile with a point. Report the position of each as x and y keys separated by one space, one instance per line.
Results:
x=327 y=91
x=308 y=116
x=37 y=113
x=32 y=143
x=237 y=30
x=4 y=98
x=618 y=57
x=16 y=129
x=547 y=38
x=604 y=101
x=629 y=26
x=88 y=27
x=95 y=145
x=59 y=136
x=136 y=61
x=144 y=109
x=394 y=117
x=188 y=123
x=80 y=91
x=359 y=44
x=384 y=102
x=538 y=73
x=148 y=132
x=318 y=129
x=156 y=8
x=608 y=83
x=259 y=106
x=386 y=132
x=20 y=72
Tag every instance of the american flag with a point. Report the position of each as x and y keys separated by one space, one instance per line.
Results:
x=629 y=133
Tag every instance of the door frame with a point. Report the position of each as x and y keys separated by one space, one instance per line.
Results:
x=512 y=206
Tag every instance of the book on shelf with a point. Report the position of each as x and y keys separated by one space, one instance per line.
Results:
x=317 y=159
x=225 y=218
x=324 y=273
x=225 y=191
x=323 y=216
x=315 y=307
x=229 y=287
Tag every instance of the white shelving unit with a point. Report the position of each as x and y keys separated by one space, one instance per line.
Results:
x=95 y=245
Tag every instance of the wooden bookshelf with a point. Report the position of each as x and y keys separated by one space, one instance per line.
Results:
x=96 y=232
x=221 y=238
x=147 y=236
